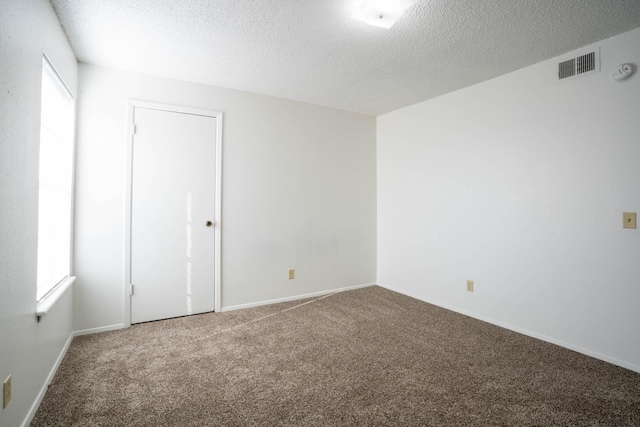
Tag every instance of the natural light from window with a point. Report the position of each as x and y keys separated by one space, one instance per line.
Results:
x=56 y=178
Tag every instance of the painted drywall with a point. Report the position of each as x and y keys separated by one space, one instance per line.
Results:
x=298 y=191
x=519 y=184
x=29 y=350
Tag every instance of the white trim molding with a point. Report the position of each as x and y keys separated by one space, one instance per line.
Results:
x=296 y=297
x=98 y=330
x=505 y=325
x=45 y=386
x=132 y=105
x=49 y=300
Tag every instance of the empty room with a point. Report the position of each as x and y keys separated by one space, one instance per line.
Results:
x=319 y=213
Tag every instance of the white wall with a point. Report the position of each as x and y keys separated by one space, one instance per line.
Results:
x=28 y=350
x=519 y=184
x=298 y=189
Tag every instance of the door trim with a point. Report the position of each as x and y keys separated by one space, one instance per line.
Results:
x=132 y=105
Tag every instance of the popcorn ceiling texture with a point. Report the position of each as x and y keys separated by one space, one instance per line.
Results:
x=313 y=51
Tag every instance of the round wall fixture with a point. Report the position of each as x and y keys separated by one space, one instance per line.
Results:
x=622 y=72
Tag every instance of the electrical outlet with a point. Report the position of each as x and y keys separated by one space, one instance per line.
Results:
x=6 y=392
x=469 y=285
x=291 y=273
x=628 y=220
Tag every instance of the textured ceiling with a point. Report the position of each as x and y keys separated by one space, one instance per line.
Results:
x=314 y=51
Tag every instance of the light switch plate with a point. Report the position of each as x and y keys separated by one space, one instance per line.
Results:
x=291 y=273
x=628 y=220
x=469 y=285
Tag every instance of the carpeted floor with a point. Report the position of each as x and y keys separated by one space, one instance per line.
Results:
x=368 y=357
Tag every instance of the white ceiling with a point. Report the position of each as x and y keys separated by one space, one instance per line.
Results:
x=313 y=51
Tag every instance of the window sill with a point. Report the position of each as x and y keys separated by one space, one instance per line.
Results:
x=49 y=300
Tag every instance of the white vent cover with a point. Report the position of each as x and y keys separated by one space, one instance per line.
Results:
x=579 y=66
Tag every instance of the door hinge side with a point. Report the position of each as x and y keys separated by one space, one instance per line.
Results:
x=133 y=129
x=131 y=290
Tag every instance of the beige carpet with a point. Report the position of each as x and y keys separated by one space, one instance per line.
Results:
x=369 y=357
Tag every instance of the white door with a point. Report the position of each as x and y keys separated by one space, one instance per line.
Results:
x=172 y=214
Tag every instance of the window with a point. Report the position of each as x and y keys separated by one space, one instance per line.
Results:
x=56 y=181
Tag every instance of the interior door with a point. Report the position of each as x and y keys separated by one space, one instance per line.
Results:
x=172 y=214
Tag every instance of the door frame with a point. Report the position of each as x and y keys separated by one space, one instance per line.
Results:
x=132 y=105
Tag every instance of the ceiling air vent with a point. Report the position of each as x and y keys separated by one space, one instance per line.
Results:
x=578 y=66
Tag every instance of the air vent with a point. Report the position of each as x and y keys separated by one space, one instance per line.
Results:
x=578 y=66
x=586 y=63
x=567 y=69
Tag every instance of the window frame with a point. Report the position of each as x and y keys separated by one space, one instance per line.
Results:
x=47 y=295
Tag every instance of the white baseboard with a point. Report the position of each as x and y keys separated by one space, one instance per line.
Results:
x=56 y=366
x=45 y=387
x=295 y=297
x=98 y=330
x=561 y=343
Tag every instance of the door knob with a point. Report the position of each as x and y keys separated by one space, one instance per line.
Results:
x=209 y=223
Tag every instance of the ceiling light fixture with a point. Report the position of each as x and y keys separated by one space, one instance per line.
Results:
x=381 y=13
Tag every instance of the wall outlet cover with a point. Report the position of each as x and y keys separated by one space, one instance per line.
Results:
x=6 y=392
